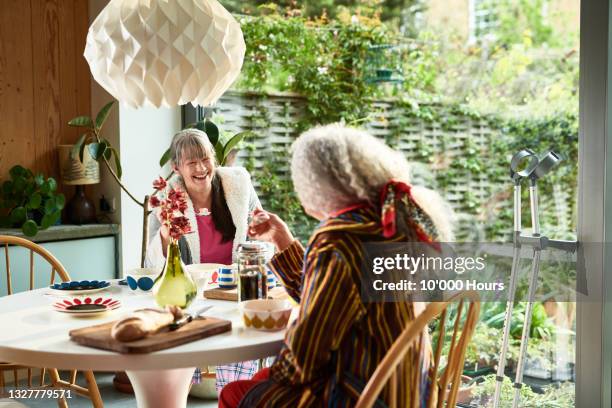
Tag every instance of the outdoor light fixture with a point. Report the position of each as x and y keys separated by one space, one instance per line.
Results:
x=165 y=52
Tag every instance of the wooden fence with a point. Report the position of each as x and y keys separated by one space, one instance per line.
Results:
x=435 y=146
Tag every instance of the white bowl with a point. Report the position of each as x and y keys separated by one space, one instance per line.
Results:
x=204 y=273
x=141 y=279
x=266 y=314
x=197 y=270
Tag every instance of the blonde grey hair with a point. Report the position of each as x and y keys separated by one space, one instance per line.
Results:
x=191 y=144
x=335 y=166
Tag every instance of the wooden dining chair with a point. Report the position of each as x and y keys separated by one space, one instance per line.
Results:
x=58 y=269
x=445 y=380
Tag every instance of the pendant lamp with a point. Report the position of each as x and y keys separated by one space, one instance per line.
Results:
x=164 y=53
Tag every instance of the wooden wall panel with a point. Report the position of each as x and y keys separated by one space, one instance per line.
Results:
x=44 y=80
x=45 y=63
x=83 y=76
x=67 y=73
x=16 y=85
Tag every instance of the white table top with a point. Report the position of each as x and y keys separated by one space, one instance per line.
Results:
x=32 y=333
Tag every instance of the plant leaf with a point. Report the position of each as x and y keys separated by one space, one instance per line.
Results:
x=76 y=148
x=165 y=158
x=46 y=221
x=35 y=201
x=19 y=185
x=17 y=171
x=219 y=154
x=212 y=131
x=118 y=169
x=52 y=184
x=102 y=150
x=39 y=179
x=108 y=152
x=200 y=126
x=234 y=140
x=49 y=220
x=103 y=114
x=81 y=121
x=29 y=228
x=82 y=152
x=7 y=187
x=50 y=206
x=18 y=215
x=60 y=201
x=29 y=189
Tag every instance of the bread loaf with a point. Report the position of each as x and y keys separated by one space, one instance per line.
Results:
x=144 y=322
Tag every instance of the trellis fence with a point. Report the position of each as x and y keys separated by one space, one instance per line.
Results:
x=451 y=154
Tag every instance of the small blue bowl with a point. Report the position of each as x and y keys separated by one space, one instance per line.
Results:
x=141 y=279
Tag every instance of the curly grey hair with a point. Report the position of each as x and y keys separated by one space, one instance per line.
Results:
x=335 y=166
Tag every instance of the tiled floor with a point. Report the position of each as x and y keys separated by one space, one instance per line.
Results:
x=111 y=397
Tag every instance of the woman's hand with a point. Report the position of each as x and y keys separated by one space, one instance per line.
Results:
x=266 y=226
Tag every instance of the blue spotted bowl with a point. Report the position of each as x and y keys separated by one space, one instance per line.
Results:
x=141 y=279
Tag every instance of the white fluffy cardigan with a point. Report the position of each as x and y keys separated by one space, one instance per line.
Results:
x=241 y=200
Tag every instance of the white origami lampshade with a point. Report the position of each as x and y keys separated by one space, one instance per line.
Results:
x=165 y=52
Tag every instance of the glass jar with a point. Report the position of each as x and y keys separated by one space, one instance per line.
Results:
x=252 y=278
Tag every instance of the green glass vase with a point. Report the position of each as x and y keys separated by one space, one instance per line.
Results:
x=175 y=287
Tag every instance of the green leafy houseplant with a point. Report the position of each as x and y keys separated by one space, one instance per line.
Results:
x=483 y=350
x=222 y=147
x=30 y=201
x=99 y=148
x=552 y=396
x=102 y=150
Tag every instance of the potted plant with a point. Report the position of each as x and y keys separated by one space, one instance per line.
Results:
x=552 y=395
x=223 y=146
x=29 y=201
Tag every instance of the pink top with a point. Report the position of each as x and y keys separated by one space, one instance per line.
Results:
x=212 y=249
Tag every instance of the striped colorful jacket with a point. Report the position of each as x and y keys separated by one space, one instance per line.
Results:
x=337 y=341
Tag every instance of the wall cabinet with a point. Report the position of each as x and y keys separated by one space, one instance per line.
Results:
x=87 y=252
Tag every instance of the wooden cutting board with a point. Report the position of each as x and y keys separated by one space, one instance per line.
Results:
x=232 y=294
x=100 y=336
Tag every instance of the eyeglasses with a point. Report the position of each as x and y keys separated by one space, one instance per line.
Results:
x=144 y=283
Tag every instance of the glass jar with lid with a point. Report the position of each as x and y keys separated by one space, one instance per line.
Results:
x=252 y=279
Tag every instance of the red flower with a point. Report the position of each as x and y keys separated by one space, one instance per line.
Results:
x=159 y=184
x=176 y=195
x=179 y=226
x=172 y=209
x=154 y=201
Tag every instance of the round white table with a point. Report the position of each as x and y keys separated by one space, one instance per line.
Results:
x=33 y=334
